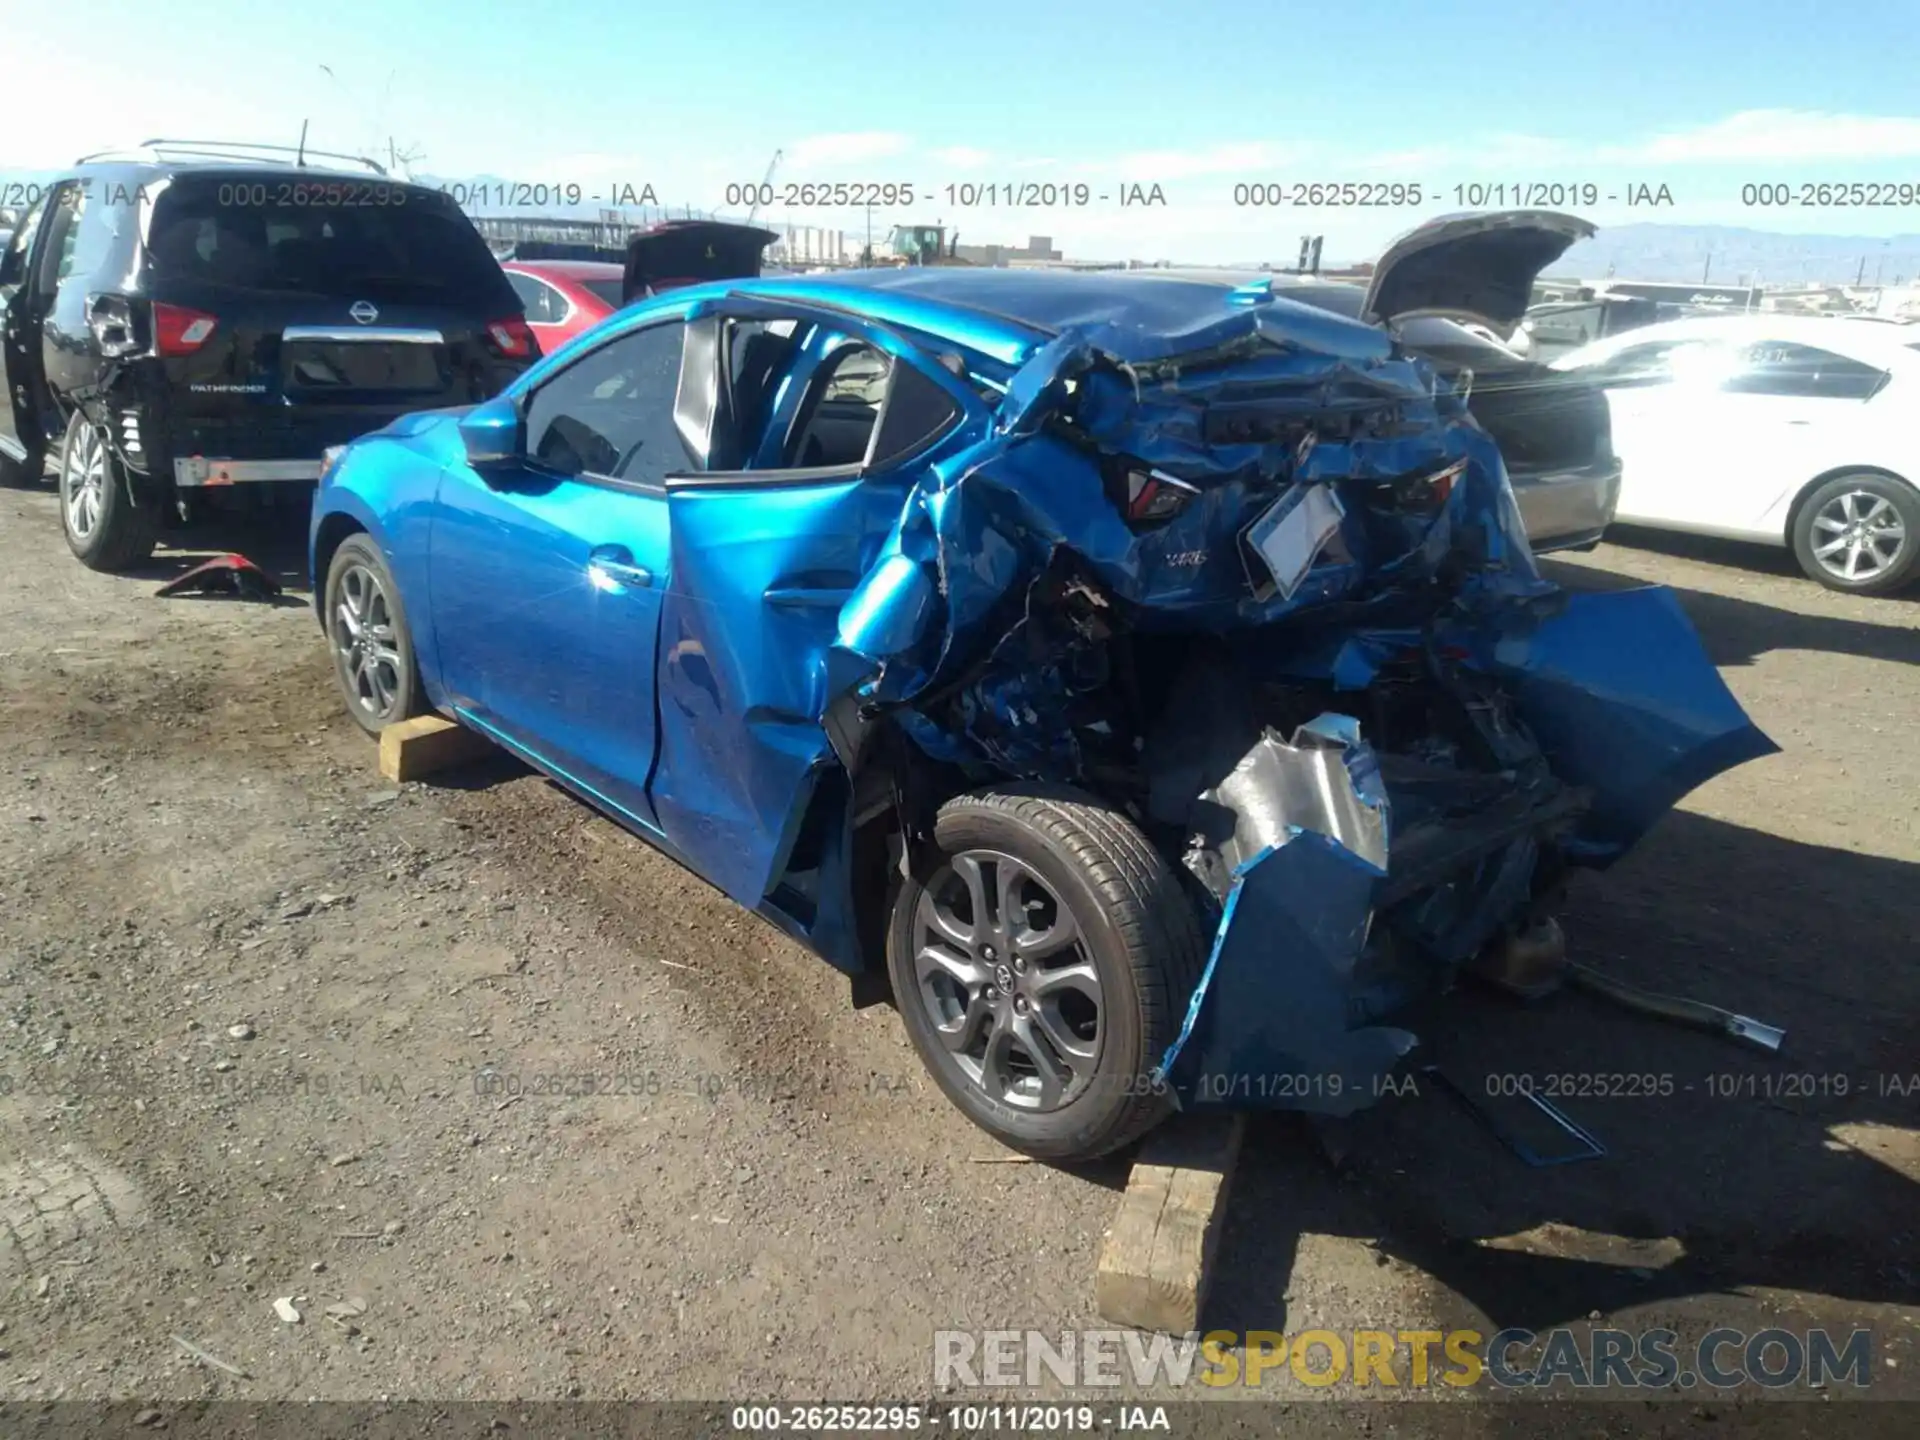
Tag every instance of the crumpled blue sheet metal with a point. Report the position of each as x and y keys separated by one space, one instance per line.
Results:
x=1278 y=1018
x=991 y=516
x=1616 y=686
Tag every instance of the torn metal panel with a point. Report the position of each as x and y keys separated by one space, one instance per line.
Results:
x=1271 y=1025
x=1302 y=830
x=1326 y=780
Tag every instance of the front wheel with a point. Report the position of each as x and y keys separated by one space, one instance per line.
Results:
x=108 y=527
x=1042 y=966
x=367 y=632
x=1860 y=533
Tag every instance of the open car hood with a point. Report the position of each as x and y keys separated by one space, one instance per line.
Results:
x=684 y=252
x=1482 y=266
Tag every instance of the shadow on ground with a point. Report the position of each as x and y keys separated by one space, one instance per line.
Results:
x=1737 y=631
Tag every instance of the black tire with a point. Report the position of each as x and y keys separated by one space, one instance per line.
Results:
x=378 y=687
x=108 y=527
x=1135 y=926
x=1824 y=519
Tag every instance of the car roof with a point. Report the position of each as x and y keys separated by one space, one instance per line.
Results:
x=1003 y=313
x=209 y=165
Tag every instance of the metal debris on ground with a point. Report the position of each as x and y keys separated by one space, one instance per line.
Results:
x=1682 y=1011
x=1586 y=1145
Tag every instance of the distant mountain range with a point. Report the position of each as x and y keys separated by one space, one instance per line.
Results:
x=1729 y=255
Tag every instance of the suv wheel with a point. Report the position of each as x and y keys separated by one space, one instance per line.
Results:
x=368 y=635
x=1860 y=534
x=106 y=527
x=1042 y=968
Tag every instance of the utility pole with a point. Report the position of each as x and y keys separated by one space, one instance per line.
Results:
x=1707 y=268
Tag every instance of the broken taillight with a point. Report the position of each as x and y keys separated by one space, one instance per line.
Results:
x=511 y=337
x=1422 y=494
x=1147 y=496
x=180 y=331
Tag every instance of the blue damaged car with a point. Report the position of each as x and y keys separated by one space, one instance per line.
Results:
x=1143 y=683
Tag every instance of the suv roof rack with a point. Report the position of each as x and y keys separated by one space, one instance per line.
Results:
x=228 y=150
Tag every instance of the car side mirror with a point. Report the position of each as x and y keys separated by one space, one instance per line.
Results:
x=12 y=266
x=494 y=433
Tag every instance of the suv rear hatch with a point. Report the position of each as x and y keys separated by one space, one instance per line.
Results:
x=291 y=313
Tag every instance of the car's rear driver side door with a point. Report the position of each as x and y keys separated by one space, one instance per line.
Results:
x=546 y=573
x=766 y=549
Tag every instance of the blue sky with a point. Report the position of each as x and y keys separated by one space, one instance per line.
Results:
x=1700 y=97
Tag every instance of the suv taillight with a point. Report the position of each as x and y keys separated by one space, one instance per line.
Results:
x=180 y=331
x=511 y=337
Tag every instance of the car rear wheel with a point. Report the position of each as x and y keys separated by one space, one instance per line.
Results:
x=367 y=634
x=1042 y=965
x=107 y=527
x=1860 y=533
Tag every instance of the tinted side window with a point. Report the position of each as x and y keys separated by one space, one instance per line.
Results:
x=533 y=296
x=1777 y=368
x=63 y=234
x=23 y=236
x=610 y=413
x=916 y=410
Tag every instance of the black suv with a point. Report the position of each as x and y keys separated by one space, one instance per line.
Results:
x=193 y=324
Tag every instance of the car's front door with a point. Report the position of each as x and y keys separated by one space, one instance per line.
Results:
x=546 y=573
x=20 y=327
x=812 y=430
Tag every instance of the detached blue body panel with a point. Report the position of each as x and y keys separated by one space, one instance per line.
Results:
x=1622 y=697
x=964 y=594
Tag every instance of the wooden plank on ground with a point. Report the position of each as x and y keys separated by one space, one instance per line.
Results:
x=1154 y=1264
x=426 y=743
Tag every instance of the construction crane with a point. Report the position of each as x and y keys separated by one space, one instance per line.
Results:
x=765 y=182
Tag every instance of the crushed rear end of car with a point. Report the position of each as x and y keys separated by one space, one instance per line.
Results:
x=1261 y=582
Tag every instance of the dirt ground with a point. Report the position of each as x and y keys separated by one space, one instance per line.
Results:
x=266 y=1017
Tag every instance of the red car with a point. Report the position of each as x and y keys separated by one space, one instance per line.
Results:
x=565 y=297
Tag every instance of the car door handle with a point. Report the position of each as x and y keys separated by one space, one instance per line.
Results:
x=615 y=563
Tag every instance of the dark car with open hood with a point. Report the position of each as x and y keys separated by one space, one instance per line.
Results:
x=191 y=322
x=1427 y=288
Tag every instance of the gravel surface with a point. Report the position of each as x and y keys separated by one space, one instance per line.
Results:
x=500 y=1103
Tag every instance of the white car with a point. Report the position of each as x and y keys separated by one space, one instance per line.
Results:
x=1793 y=430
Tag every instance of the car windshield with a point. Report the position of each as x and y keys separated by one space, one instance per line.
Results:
x=360 y=239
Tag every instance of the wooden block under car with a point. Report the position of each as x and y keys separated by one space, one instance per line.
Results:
x=1154 y=1264
x=426 y=743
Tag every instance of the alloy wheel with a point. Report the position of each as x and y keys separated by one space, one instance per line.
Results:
x=366 y=646
x=1004 y=973
x=1858 y=535
x=83 y=482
